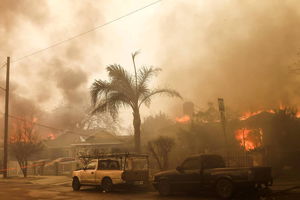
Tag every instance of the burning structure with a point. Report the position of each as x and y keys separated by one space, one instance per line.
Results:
x=264 y=137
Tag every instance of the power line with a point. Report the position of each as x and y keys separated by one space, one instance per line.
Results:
x=39 y=124
x=86 y=32
x=67 y=40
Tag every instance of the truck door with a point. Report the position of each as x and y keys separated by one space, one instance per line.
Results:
x=88 y=175
x=191 y=173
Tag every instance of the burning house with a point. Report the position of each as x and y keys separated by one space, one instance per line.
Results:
x=69 y=144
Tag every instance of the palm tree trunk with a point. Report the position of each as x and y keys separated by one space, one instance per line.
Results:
x=137 y=130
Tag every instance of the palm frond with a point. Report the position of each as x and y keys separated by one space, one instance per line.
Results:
x=134 y=54
x=118 y=73
x=168 y=92
x=121 y=79
x=98 y=89
x=144 y=75
x=112 y=103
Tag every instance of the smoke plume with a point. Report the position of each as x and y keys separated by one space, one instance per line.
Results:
x=241 y=51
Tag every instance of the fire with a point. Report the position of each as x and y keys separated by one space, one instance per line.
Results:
x=249 y=138
x=23 y=131
x=183 y=119
x=246 y=115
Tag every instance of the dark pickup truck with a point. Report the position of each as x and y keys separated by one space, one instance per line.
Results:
x=208 y=172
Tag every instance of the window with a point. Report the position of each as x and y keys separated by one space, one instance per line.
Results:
x=191 y=164
x=109 y=165
x=113 y=165
x=136 y=164
x=103 y=164
x=211 y=162
x=91 y=165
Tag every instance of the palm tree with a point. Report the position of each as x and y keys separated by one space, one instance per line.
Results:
x=125 y=90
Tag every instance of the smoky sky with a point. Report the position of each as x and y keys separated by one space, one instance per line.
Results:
x=239 y=50
x=54 y=86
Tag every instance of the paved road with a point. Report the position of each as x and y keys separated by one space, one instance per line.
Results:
x=24 y=191
x=57 y=188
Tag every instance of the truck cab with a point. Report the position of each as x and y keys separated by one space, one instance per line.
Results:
x=208 y=172
x=108 y=171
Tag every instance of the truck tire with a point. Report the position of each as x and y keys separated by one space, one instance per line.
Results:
x=76 y=184
x=224 y=188
x=107 y=185
x=164 y=188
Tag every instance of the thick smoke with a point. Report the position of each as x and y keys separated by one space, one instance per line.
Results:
x=14 y=12
x=239 y=50
x=51 y=86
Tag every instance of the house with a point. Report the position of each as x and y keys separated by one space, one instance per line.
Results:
x=70 y=144
x=100 y=141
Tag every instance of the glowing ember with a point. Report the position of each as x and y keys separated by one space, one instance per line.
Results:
x=183 y=119
x=246 y=115
x=249 y=138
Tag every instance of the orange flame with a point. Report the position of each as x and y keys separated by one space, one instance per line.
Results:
x=183 y=119
x=23 y=131
x=246 y=115
x=248 y=139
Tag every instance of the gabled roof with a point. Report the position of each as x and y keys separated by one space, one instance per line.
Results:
x=100 y=137
x=88 y=137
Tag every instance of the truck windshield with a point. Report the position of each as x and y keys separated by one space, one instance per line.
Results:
x=210 y=162
x=136 y=164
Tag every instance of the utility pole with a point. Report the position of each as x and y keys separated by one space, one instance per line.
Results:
x=6 y=120
x=223 y=121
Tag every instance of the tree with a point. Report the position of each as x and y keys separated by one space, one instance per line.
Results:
x=126 y=90
x=285 y=126
x=160 y=149
x=24 y=143
x=100 y=121
x=153 y=126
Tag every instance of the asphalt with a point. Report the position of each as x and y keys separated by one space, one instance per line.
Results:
x=59 y=187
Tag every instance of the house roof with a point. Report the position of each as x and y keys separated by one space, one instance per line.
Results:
x=63 y=140
x=88 y=137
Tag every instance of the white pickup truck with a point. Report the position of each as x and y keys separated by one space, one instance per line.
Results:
x=108 y=171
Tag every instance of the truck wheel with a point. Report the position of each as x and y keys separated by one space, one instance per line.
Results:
x=107 y=185
x=76 y=184
x=224 y=189
x=164 y=188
